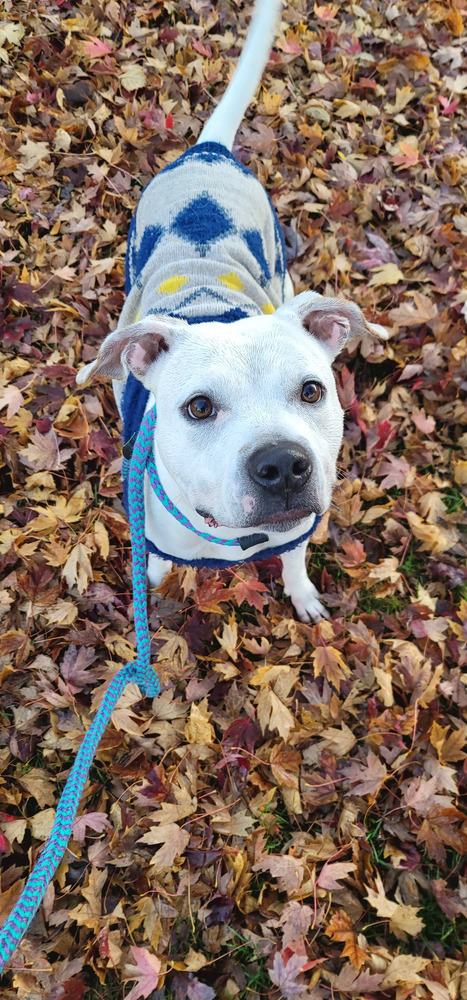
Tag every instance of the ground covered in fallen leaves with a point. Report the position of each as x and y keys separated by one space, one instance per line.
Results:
x=285 y=819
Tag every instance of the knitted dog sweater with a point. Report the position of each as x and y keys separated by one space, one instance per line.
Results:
x=204 y=244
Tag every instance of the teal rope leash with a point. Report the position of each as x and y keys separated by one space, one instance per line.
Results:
x=139 y=672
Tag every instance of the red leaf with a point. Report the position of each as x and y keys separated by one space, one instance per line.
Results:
x=449 y=107
x=249 y=591
x=146 y=972
x=96 y=47
x=241 y=733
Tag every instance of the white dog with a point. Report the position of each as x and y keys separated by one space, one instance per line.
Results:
x=249 y=424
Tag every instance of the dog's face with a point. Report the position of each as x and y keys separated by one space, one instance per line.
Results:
x=249 y=424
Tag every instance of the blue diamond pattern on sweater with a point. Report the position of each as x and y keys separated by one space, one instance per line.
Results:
x=203 y=222
x=254 y=243
x=149 y=241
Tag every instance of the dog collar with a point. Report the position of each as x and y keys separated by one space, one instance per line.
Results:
x=244 y=542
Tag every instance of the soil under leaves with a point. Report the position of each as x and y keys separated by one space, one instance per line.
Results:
x=285 y=819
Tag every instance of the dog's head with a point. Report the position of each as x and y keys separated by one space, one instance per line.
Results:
x=249 y=424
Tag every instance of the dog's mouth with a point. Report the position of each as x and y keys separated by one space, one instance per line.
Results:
x=281 y=517
x=284 y=516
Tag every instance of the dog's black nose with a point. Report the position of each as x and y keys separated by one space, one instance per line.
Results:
x=281 y=468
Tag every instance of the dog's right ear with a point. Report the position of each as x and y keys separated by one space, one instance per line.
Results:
x=133 y=349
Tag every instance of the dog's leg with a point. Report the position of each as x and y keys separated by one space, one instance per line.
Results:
x=300 y=589
x=157 y=569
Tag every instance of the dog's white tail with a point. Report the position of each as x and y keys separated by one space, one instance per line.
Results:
x=226 y=118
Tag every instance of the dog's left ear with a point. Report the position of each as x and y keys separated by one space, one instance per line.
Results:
x=332 y=321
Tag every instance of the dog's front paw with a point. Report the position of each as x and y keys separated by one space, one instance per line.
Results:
x=307 y=604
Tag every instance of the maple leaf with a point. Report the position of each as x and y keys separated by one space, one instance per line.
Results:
x=404 y=969
x=295 y=921
x=285 y=975
x=97 y=821
x=249 y=591
x=325 y=12
x=289 y=871
x=209 y=593
x=96 y=47
x=330 y=660
x=229 y=638
x=241 y=733
x=42 y=452
x=341 y=928
x=385 y=274
x=368 y=776
x=63 y=613
x=12 y=398
x=452 y=903
x=432 y=536
x=196 y=990
x=330 y=874
x=77 y=569
x=450 y=107
x=198 y=728
x=420 y=310
x=409 y=154
x=273 y=714
x=403 y=919
x=174 y=841
x=218 y=910
x=351 y=981
x=146 y=972
x=397 y=472
x=438 y=829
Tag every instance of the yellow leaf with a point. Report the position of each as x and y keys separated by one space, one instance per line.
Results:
x=198 y=729
x=385 y=274
x=339 y=741
x=421 y=310
x=229 y=638
x=404 y=969
x=33 y=153
x=273 y=714
x=384 y=680
x=77 y=569
x=133 y=77
x=432 y=536
x=64 y=613
x=101 y=538
x=41 y=824
x=460 y=472
x=403 y=96
x=193 y=962
x=408 y=152
x=347 y=109
x=272 y=102
x=330 y=660
x=454 y=21
x=403 y=919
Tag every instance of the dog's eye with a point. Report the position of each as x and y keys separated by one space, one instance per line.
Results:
x=200 y=407
x=312 y=392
